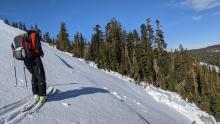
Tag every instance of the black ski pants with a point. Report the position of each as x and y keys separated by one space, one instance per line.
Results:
x=36 y=68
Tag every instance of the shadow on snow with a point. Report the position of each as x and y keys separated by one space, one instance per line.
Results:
x=75 y=93
x=67 y=64
x=61 y=84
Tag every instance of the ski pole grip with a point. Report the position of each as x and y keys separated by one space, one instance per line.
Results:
x=12 y=46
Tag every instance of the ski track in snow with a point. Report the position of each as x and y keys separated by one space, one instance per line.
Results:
x=123 y=99
x=13 y=113
x=8 y=108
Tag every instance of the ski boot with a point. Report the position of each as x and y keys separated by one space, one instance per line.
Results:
x=42 y=99
x=36 y=98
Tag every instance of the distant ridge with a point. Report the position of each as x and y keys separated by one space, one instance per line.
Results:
x=207 y=53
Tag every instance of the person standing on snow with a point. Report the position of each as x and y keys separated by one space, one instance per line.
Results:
x=31 y=52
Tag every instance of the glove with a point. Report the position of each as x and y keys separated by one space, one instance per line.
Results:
x=12 y=47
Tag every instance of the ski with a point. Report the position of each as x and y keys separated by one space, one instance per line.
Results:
x=28 y=107
x=32 y=104
x=36 y=107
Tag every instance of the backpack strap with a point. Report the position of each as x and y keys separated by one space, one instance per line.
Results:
x=26 y=45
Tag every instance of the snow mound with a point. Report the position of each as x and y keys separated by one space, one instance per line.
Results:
x=174 y=100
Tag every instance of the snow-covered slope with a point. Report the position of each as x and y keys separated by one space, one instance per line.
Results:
x=86 y=95
x=172 y=99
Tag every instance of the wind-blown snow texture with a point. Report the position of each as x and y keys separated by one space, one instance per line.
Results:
x=86 y=94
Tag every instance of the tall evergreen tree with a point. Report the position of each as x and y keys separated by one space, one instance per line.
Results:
x=75 y=46
x=215 y=105
x=82 y=43
x=16 y=25
x=129 y=50
x=146 y=50
x=86 y=52
x=47 y=38
x=36 y=28
x=78 y=45
x=160 y=43
x=32 y=28
x=160 y=62
x=135 y=64
x=147 y=39
x=95 y=47
x=13 y=24
x=6 y=21
x=24 y=27
x=63 y=42
x=20 y=26
x=114 y=36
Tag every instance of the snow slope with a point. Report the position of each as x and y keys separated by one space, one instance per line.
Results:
x=86 y=95
x=172 y=99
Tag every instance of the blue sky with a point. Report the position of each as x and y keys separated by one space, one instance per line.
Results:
x=194 y=23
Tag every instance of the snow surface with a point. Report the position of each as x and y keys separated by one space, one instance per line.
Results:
x=86 y=94
x=211 y=67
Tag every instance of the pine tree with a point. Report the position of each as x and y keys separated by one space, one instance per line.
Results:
x=161 y=56
x=129 y=50
x=82 y=43
x=215 y=105
x=20 y=26
x=86 y=52
x=16 y=25
x=32 y=28
x=6 y=21
x=47 y=38
x=76 y=44
x=95 y=47
x=63 y=42
x=54 y=41
x=135 y=70
x=13 y=24
x=146 y=52
x=114 y=37
x=147 y=38
x=160 y=43
x=36 y=28
x=150 y=32
x=24 y=27
x=124 y=64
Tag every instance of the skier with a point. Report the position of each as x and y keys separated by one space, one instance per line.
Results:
x=32 y=53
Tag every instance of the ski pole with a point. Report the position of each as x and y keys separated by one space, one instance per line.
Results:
x=16 y=80
x=25 y=77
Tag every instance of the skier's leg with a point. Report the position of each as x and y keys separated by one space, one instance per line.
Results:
x=41 y=77
x=34 y=83
x=34 y=80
